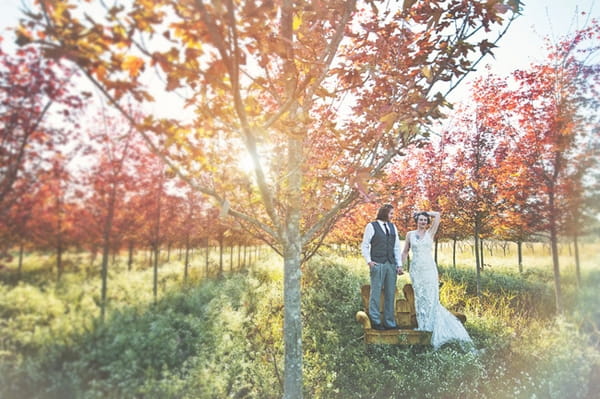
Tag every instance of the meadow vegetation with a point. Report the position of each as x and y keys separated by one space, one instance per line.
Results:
x=221 y=337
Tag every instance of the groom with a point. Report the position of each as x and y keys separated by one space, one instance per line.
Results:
x=381 y=249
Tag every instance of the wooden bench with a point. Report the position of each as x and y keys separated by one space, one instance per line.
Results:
x=406 y=318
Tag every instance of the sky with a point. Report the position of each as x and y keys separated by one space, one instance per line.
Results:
x=524 y=41
x=522 y=45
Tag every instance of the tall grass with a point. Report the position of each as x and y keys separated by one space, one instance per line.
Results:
x=222 y=337
x=536 y=255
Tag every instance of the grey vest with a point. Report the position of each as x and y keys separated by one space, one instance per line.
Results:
x=382 y=246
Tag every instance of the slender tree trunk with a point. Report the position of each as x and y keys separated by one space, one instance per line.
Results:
x=577 y=264
x=59 y=241
x=292 y=249
x=157 y=240
x=156 y=251
x=231 y=258
x=187 y=258
x=106 y=252
x=59 y=252
x=477 y=260
x=20 y=264
x=130 y=258
x=554 y=252
x=520 y=255
x=481 y=250
x=239 y=256
x=454 y=253
x=220 y=254
x=206 y=258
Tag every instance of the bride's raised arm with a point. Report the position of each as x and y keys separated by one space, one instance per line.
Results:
x=435 y=224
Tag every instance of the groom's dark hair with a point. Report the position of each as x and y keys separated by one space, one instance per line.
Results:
x=384 y=212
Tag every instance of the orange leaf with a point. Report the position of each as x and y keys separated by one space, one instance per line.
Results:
x=133 y=65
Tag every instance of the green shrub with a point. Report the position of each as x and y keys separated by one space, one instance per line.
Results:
x=223 y=338
x=527 y=297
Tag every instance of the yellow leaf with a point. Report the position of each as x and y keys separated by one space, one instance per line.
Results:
x=133 y=65
x=426 y=71
x=297 y=22
x=389 y=119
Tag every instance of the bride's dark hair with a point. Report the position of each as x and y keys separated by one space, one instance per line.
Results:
x=417 y=214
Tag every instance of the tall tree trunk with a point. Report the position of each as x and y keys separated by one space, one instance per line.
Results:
x=481 y=251
x=454 y=253
x=577 y=264
x=156 y=251
x=156 y=240
x=554 y=252
x=477 y=260
x=59 y=263
x=206 y=259
x=187 y=258
x=106 y=252
x=520 y=255
x=20 y=266
x=59 y=240
x=221 y=254
x=292 y=323
x=130 y=259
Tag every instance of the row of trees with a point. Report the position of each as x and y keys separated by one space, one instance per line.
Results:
x=321 y=95
x=517 y=163
x=270 y=79
x=76 y=176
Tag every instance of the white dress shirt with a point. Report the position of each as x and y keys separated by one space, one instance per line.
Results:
x=366 y=242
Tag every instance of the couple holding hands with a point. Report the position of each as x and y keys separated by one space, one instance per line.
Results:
x=381 y=249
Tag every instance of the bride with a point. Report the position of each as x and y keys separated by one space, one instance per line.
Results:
x=431 y=315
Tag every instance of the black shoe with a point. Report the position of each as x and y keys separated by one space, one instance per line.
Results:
x=375 y=326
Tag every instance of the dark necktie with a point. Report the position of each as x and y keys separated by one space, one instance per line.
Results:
x=387 y=231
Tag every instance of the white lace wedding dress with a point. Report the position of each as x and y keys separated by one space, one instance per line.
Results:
x=431 y=315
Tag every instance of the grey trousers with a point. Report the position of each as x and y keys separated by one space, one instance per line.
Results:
x=383 y=277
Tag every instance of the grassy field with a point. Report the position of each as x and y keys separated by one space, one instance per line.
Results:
x=535 y=255
x=222 y=337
